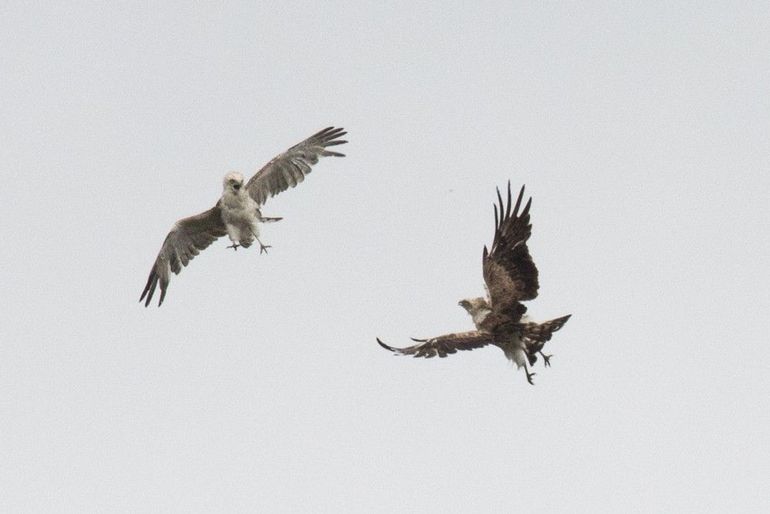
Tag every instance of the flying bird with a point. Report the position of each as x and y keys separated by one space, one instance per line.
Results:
x=511 y=277
x=237 y=214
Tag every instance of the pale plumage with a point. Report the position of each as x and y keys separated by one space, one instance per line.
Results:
x=511 y=277
x=237 y=213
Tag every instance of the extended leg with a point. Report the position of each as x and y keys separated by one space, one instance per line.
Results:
x=546 y=358
x=262 y=248
x=529 y=375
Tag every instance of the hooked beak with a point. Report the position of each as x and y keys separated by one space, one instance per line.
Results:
x=236 y=186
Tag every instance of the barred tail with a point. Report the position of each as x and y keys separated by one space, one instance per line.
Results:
x=537 y=334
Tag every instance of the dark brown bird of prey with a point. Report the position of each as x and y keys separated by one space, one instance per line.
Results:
x=237 y=213
x=511 y=278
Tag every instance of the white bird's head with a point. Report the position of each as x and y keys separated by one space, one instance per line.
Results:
x=233 y=182
x=473 y=305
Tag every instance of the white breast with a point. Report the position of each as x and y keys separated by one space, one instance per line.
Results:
x=480 y=315
x=239 y=212
x=514 y=350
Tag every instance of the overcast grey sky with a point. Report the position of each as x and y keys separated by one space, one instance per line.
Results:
x=641 y=130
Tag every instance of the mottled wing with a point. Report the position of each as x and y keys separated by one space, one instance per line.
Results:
x=443 y=345
x=509 y=272
x=186 y=240
x=542 y=332
x=289 y=168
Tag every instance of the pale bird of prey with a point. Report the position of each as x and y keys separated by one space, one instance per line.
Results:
x=511 y=277
x=237 y=213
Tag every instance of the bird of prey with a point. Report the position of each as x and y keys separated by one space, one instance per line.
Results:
x=237 y=213
x=511 y=277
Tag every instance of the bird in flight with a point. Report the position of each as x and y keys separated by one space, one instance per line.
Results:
x=511 y=277
x=237 y=213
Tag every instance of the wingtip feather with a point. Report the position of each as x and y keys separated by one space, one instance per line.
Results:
x=149 y=288
x=508 y=210
x=390 y=348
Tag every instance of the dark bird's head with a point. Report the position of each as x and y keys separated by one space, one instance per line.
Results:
x=233 y=182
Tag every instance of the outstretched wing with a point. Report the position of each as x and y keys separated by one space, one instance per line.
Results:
x=509 y=272
x=443 y=345
x=186 y=240
x=289 y=168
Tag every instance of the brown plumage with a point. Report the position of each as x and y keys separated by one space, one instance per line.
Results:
x=444 y=345
x=509 y=273
x=511 y=277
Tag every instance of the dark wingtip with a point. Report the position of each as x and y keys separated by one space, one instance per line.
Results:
x=418 y=340
x=149 y=288
x=508 y=210
x=332 y=131
x=518 y=200
x=385 y=346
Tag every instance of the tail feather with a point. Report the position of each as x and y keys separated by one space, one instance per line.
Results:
x=537 y=334
x=543 y=331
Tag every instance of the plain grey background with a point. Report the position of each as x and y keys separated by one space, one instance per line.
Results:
x=640 y=129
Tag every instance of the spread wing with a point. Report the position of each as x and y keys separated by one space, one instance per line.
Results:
x=509 y=272
x=289 y=168
x=186 y=240
x=444 y=345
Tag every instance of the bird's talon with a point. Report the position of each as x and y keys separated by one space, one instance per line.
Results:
x=263 y=248
x=234 y=246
